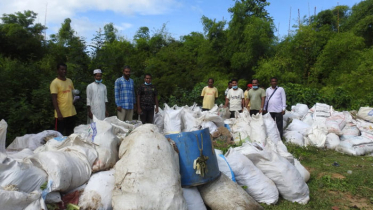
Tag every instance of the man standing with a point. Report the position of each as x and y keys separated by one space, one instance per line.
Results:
x=228 y=88
x=146 y=99
x=62 y=97
x=209 y=94
x=234 y=98
x=256 y=98
x=97 y=98
x=276 y=103
x=125 y=95
x=245 y=95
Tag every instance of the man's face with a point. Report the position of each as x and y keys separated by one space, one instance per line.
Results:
x=255 y=82
x=98 y=76
x=148 y=79
x=210 y=83
x=230 y=85
x=234 y=83
x=61 y=71
x=127 y=72
x=273 y=82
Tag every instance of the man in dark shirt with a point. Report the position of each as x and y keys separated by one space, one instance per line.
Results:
x=146 y=99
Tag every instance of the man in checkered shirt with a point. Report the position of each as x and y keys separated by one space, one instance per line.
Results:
x=125 y=95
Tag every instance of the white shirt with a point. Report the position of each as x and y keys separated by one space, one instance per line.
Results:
x=277 y=103
x=235 y=99
x=96 y=98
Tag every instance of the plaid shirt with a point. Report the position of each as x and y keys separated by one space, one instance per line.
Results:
x=124 y=93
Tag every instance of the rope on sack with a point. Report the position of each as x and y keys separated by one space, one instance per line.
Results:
x=199 y=164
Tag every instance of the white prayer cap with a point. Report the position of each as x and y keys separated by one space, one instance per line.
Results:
x=97 y=71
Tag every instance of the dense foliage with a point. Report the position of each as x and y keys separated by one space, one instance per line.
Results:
x=327 y=58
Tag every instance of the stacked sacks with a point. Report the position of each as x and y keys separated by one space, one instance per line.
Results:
x=193 y=199
x=260 y=187
x=20 y=184
x=288 y=180
x=33 y=141
x=224 y=166
x=241 y=129
x=106 y=144
x=147 y=174
x=172 y=120
x=366 y=113
x=223 y=193
x=258 y=132
x=97 y=194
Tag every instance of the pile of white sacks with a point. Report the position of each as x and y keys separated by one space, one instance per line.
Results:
x=117 y=165
x=323 y=127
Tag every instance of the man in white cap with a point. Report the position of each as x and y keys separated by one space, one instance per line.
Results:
x=97 y=98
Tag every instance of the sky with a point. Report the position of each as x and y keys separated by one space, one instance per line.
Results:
x=180 y=16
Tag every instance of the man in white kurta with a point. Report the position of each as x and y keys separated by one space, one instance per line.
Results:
x=97 y=98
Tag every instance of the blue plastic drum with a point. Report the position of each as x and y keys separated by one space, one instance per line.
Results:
x=189 y=145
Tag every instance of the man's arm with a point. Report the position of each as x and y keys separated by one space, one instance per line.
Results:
x=226 y=102
x=216 y=94
x=106 y=103
x=265 y=102
x=55 y=105
x=89 y=97
x=156 y=104
x=117 y=94
x=262 y=105
x=138 y=100
x=203 y=93
x=283 y=98
x=247 y=101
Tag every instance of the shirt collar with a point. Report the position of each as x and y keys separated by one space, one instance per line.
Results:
x=126 y=79
x=273 y=88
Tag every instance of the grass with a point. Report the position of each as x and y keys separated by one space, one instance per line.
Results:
x=332 y=187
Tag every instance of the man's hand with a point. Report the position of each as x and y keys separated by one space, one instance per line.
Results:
x=260 y=111
x=283 y=112
x=90 y=115
x=106 y=114
x=119 y=108
x=139 y=111
x=156 y=110
x=59 y=116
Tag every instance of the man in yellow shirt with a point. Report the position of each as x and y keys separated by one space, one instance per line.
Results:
x=62 y=97
x=246 y=95
x=209 y=94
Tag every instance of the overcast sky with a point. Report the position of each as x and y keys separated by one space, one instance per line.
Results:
x=181 y=16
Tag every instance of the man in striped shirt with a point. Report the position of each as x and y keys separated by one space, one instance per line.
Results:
x=125 y=95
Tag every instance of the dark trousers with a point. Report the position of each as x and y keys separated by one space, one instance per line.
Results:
x=147 y=116
x=278 y=117
x=232 y=113
x=65 y=126
x=254 y=112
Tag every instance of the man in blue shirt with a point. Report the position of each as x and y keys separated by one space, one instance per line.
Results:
x=125 y=95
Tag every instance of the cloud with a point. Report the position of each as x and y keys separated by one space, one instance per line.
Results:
x=58 y=10
x=123 y=26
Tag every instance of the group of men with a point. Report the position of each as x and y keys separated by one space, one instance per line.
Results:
x=255 y=99
x=63 y=99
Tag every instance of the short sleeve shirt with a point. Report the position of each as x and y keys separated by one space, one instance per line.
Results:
x=209 y=95
x=63 y=89
x=255 y=97
x=147 y=95
x=235 y=99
